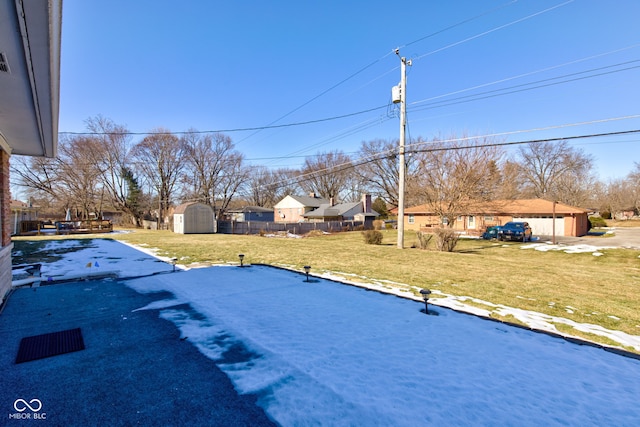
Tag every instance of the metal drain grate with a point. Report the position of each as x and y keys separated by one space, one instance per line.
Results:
x=47 y=345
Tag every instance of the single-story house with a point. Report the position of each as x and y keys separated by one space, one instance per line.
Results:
x=625 y=214
x=354 y=211
x=251 y=213
x=30 y=34
x=539 y=213
x=193 y=218
x=292 y=208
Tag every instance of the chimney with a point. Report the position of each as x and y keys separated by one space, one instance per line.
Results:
x=366 y=203
x=332 y=201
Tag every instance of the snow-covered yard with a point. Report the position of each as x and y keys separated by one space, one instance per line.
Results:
x=323 y=353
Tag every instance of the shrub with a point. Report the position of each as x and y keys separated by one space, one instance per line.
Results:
x=597 y=221
x=606 y=215
x=315 y=233
x=423 y=239
x=372 y=237
x=446 y=239
x=377 y=224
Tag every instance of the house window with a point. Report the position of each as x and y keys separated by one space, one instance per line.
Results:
x=488 y=218
x=412 y=219
x=445 y=220
x=471 y=221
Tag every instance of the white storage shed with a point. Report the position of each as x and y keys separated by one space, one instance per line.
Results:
x=193 y=218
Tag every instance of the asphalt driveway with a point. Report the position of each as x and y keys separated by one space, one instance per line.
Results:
x=623 y=237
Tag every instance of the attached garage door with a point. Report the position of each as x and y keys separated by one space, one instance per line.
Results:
x=543 y=225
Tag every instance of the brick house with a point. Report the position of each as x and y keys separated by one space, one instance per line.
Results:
x=539 y=213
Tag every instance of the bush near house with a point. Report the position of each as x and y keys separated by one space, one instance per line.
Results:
x=423 y=239
x=446 y=239
x=597 y=221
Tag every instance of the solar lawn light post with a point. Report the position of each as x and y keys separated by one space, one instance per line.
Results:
x=241 y=256
x=306 y=271
x=425 y=296
x=174 y=260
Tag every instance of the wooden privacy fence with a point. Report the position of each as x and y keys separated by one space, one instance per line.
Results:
x=261 y=227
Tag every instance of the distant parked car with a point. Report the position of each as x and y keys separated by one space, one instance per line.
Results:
x=515 y=231
x=492 y=232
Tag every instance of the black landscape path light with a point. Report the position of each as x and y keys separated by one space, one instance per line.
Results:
x=241 y=256
x=306 y=271
x=174 y=260
x=425 y=296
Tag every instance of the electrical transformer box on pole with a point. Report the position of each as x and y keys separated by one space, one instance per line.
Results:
x=396 y=94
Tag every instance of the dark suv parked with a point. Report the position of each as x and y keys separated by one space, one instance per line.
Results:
x=515 y=231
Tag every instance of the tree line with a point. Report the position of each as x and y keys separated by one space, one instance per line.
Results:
x=104 y=169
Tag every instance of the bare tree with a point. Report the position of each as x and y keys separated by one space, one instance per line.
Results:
x=159 y=158
x=265 y=187
x=287 y=180
x=230 y=182
x=78 y=181
x=215 y=170
x=511 y=181
x=454 y=176
x=555 y=170
x=109 y=153
x=379 y=168
x=634 y=183
x=326 y=174
x=36 y=174
x=617 y=196
x=67 y=181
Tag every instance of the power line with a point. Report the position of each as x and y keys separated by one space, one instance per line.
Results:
x=272 y=124
x=308 y=122
x=500 y=27
x=530 y=73
x=466 y=21
x=361 y=70
x=506 y=91
x=370 y=159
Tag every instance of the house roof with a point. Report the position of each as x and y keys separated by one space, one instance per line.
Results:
x=326 y=210
x=249 y=209
x=30 y=76
x=519 y=207
x=306 y=201
x=180 y=209
x=342 y=209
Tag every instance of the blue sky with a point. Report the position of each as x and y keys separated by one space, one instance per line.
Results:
x=222 y=66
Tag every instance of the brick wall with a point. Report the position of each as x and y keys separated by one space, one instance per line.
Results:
x=5 y=230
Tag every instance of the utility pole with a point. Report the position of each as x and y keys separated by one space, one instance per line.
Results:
x=402 y=99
